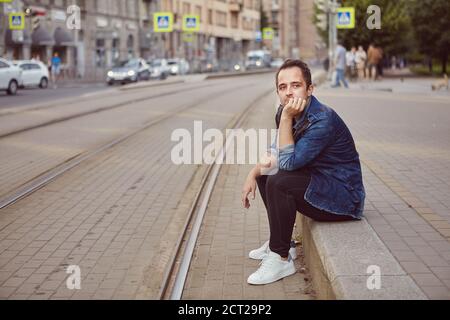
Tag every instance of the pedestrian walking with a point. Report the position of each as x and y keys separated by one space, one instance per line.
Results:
x=312 y=167
x=340 y=66
x=361 y=59
x=374 y=56
x=55 y=68
x=351 y=64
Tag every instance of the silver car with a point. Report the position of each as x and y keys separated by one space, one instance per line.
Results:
x=159 y=69
x=178 y=66
x=132 y=70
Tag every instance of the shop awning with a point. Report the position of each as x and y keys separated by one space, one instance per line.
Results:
x=63 y=38
x=41 y=37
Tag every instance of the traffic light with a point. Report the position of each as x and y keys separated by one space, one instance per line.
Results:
x=322 y=22
x=321 y=10
x=35 y=15
x=321 y=5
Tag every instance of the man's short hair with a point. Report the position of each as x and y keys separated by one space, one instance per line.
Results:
x=291 y=63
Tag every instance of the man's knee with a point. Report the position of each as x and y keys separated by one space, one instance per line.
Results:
x=280 y=180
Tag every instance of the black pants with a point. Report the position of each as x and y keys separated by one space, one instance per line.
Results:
x=283 y=195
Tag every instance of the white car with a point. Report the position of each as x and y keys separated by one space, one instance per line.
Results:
x=10 y=77
x=159 y=69
x=178 y=66
x=34 y=73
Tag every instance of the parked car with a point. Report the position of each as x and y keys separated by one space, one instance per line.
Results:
x=178 y=66
x=159 y=69
x=34 y=73
x=132 y=70
x=10 y=77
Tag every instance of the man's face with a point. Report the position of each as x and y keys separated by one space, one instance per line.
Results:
x=291 y=84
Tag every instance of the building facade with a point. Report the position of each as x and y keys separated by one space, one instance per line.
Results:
x=295 y=32
x=227 y=30
x=116 y=30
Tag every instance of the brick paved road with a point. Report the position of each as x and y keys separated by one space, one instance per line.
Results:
x=28 y=154
x=117 y=215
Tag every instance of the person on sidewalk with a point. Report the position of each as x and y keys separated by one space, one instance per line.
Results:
x=374 y=56
x=340 y=66
x=313 y=167
x=56 y=68
x=360 y=59
x=351 y=64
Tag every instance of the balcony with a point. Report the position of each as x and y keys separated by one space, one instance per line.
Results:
x=235 y=6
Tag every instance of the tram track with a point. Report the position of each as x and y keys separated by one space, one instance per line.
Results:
x=48 y=176
x=176 y=273
x=102 y=109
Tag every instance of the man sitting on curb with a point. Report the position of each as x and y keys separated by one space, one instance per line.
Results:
x=319 y=171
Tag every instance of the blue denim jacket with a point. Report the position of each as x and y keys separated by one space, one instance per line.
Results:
x=325 y=146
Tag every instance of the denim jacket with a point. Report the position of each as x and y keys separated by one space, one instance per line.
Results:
x=325 y=147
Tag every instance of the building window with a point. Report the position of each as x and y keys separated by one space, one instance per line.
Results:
x=221 y=18
x=198 y=12
x=210 y=16
x=100 y=59
x=130 y=46
x=115 y=51
x=234 y=20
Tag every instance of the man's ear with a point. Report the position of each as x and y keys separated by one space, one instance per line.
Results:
x=310 y=90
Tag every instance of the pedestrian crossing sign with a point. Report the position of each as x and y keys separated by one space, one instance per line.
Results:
x=345 y=18
x=267 y=33
x=191 y=23
x=16 y=21
x=163 y=21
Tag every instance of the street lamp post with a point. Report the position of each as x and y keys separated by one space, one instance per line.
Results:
x=332 y=34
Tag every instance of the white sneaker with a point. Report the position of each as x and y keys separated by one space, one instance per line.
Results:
x=261 y=253
x=272 y=269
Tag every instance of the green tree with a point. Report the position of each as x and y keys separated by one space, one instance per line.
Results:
x=395 y=36
x=431 y=25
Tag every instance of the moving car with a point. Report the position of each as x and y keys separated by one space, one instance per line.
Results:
x=132 y=70
x=159 y=69
x=208 y=65
x=10 y=77
x=34 y=73
x=178 y=66
x=257 y=59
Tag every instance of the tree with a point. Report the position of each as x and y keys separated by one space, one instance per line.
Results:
x=431 y=25
x=395 y=33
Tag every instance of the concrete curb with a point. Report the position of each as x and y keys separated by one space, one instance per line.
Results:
x=238 y=74
x=141 y=85
x=338 y=255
